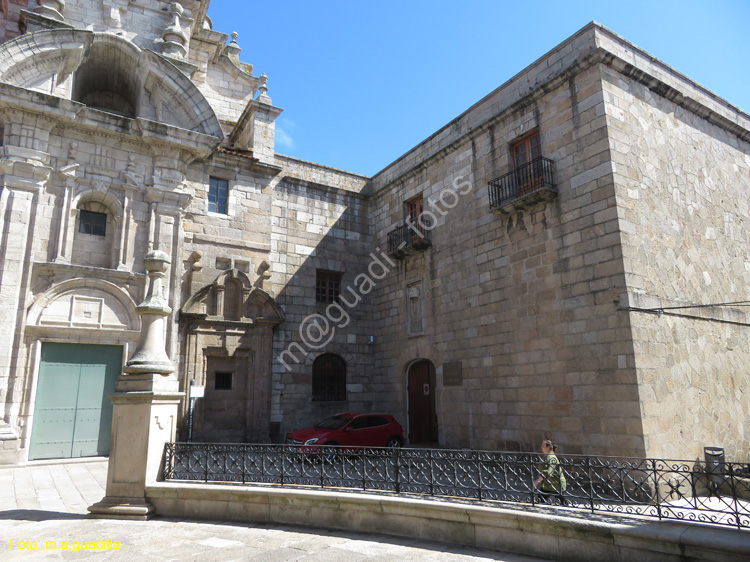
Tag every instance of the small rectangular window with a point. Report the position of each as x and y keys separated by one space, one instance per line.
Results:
x=218 y=193
x=223 y=381
x=92 y=223
x=327 y=285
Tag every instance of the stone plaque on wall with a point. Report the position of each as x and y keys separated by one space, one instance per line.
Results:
x=453 y=374
x=415 y=309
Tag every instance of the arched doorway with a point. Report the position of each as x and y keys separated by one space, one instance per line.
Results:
x=423 y=426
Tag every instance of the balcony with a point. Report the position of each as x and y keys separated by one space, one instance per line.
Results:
x=524 y=186
x=408 y=239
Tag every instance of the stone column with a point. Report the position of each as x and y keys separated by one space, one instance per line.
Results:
x=145 y=409
x=23 y=175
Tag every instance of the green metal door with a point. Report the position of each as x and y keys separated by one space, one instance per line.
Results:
x=72 y=415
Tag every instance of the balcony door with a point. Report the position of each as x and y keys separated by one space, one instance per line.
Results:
x=524 y=153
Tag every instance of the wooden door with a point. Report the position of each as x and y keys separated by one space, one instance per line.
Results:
x=423 y=426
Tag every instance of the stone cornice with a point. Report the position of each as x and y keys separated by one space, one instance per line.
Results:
x=224 y=241
x=74 y=115
x=82 y=335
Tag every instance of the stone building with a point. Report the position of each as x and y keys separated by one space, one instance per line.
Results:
x=561 y=260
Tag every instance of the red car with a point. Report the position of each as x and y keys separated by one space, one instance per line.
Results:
x=359 y=429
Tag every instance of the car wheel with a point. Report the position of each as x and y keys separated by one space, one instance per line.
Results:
x=394 y=443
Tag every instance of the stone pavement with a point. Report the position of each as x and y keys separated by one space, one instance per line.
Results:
x=47 y=502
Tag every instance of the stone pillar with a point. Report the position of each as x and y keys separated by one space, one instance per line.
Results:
x=145 y=409
x=23 y=174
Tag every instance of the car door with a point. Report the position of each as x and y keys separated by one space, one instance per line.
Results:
x=357 y=432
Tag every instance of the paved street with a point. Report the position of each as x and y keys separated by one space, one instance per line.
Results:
x=47 y=502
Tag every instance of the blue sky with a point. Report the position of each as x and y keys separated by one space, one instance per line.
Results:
x=363 y=82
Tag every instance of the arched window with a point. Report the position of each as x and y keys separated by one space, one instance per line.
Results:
x=329 y=378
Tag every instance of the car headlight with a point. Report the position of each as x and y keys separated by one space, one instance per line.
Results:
x=312 y=441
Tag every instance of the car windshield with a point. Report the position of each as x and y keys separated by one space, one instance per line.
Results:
x=334 y=422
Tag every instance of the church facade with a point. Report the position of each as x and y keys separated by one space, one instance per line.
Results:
x=567 y=259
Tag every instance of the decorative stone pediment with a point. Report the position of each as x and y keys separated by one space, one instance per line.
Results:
x=110 y=73
x=233 y=298
x=84 y=303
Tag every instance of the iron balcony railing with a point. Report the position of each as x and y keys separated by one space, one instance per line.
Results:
x=663 y=489
x=413 y=236
x=526 y=179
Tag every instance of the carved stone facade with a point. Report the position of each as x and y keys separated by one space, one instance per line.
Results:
x=517 y=299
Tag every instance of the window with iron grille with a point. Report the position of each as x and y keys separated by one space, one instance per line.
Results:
x=223 y=381
x=90 y=222
x=329 y=378
x=327 y=285
x=218 y=193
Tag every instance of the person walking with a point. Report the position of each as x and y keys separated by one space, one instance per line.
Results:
x=551 y=482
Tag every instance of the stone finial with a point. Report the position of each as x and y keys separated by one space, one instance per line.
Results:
x=174 y=36
x=263 y=89
x=52 y=9
x=150 y=355
x=233 y=50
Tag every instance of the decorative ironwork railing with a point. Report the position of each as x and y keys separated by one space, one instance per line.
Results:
x=525 y=179
x=412 y=236
x=663 y=489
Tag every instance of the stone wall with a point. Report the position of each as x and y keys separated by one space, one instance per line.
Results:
x=314 y=227
x=10 y=17
x=681 y=193
x=525 y=301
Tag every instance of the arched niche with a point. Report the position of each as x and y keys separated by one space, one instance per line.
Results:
x=94 y=231
x=108 y=77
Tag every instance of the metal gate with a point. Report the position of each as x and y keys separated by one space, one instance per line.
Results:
x=72 y=414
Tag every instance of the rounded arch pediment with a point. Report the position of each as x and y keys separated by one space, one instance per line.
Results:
x=107 y=72
x=84 y=303
x=45 y=60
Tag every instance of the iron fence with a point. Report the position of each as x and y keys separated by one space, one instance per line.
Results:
x=663 y=489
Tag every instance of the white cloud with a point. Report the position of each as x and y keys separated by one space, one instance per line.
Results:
x=283 y=138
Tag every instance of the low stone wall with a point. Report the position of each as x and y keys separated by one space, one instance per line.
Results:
x=558 y=535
